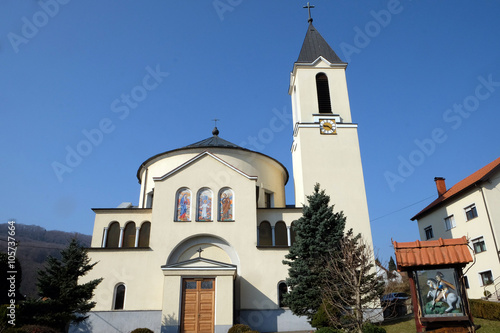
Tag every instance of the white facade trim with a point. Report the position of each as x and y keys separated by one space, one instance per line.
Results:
x=199 y=156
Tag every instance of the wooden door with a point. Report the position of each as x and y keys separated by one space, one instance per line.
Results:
x=198 y=304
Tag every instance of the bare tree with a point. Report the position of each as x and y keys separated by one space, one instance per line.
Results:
x=351 y=289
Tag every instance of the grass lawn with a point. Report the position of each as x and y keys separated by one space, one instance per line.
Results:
x=408 y=326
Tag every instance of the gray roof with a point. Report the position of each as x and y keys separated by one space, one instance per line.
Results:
x=213 y=141
x=314 y=46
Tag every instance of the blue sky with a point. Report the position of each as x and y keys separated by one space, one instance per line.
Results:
x=423 y=79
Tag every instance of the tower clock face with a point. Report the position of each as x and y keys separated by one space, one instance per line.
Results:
x=327 y=126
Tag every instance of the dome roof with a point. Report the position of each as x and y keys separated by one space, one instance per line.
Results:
x=212 y=142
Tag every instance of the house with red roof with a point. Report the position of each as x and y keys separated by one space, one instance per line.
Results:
x=470 y=208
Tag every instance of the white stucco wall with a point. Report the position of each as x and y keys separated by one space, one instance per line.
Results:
x=485 y=225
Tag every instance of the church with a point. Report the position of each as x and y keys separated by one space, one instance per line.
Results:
x=203 y=248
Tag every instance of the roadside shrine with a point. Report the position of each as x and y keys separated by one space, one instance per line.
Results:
x=438 y=292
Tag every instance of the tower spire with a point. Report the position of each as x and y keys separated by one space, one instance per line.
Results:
x=309 y=6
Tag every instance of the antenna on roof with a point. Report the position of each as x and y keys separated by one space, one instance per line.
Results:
x=309 y=6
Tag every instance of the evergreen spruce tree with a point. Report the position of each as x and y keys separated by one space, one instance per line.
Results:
x=392 y=265
x=318 y=232
x=62 y=300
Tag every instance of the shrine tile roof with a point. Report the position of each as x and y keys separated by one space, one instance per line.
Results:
x=478 y=176
x=441 y=252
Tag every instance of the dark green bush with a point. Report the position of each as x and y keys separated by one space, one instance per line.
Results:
x=328 y=330
x=485 y=309
x=142 y=330
x=320 y=318
x=372 y=328
x=31 y=329
x=239 y=328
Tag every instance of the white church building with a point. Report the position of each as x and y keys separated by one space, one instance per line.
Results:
x=202 y=250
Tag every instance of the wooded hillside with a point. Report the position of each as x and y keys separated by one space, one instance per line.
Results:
x=35 y=244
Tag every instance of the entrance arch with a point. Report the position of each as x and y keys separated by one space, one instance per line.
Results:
x=196 y=287
x=199 y=239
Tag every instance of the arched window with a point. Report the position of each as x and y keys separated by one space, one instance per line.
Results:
x=323 y=90
x=183 y=212
x=119 y=299
x=204 y=205
x=226 y=205
x=129 y=235
x=280 y=234
x=144 y=234
x=292 y=233
x=265 y=234
x=282 y=290
x=113 y=236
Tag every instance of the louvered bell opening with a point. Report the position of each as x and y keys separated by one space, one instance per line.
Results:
x=323 y=94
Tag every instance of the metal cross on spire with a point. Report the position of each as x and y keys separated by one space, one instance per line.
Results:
x=309 y=6
x=215 y=120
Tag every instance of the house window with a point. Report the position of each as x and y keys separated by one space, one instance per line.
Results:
x=204 y=205
x=129 y=235
x=265 y=234
x=113 y=236
x=449 y=222
x=470 y=212
x=478 y=245
x=226 y=205
x=428 y=232
x=323 y=90
x=282 y=290
x=119 y=297
x=280 y=234
x=486 y=278
x=183 y=211
x=144 y=234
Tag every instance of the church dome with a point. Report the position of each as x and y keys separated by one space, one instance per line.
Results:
x=268 y=172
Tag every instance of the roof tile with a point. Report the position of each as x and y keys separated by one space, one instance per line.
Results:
x=462 y=185
x=433 y=252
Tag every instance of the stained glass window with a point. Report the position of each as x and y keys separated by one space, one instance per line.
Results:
x=183 y=205
x=205 y=205
x=226 y=205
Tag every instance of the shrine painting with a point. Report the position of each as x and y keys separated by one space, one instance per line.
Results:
x=438 y=293
x=184 y=205
x=226 y=205
x=205 y=205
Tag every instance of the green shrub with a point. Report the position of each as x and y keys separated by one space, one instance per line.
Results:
x=372 y=328
x=485 y=309
x=31 y=329
x=320 y=318
x=239 y=328
x=328 y=330
x=142 y=330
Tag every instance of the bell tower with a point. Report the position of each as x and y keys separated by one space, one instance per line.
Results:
x=325 y=145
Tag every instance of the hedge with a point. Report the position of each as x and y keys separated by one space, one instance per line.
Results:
x=485 y=309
